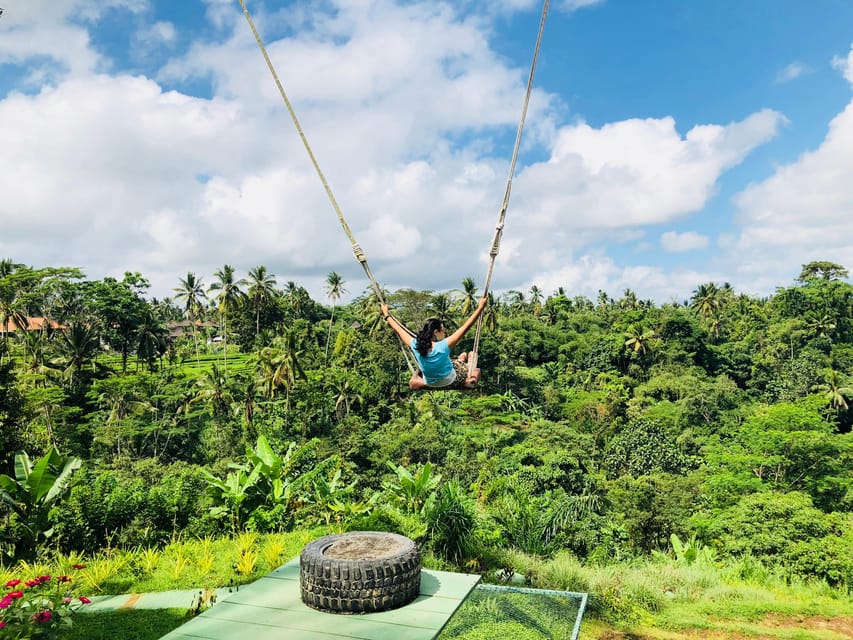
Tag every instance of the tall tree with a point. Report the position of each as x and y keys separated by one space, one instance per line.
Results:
x=468 y=297
x=190 y=293
x=334 y=290
x=151 y=339
x=822 y=269
x=536 y=298
x=706 y=300
x=228 y=297
x=13 y=310
x=261 y=291
x=78 y=346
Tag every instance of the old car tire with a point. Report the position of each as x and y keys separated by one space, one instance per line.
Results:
x=359 y=572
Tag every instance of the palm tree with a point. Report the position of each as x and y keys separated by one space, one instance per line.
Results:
x=280 y=364
x=536 y=299
x=334 y=290
x=151 y=339
x=345 y=397
x=515 y=300
x=78 y=346
x=213 y=389
x=629 y=300
x=261 y=291
x=35 y=354
x=706 y=300
x=639 y=339
x=490 y=315
x=468 y=300
x=227 y=299
x=368 y=309
x=835 y=390
x=294 y=297
x=191 y=293
x=441 y=308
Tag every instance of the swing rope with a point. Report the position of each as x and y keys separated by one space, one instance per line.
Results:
x=356 y=248
x=496 y=242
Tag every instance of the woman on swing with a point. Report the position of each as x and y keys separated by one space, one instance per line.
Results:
x=431 y=349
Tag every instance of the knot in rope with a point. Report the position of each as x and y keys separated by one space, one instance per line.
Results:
x=359 y=254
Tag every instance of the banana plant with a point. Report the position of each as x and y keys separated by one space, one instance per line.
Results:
x=413 y=490
x=31 y=494
x=235 y=495
x=335 y=498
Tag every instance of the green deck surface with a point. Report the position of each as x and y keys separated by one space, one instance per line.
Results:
x=272 y=608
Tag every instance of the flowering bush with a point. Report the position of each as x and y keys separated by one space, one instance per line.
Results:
x=38 y=608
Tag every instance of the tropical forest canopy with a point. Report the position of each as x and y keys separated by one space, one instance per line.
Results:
x=601 y=427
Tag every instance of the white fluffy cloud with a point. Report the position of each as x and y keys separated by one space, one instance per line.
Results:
x=803 y=209
x=845 y=65
x=679 y=242
x=401 y=104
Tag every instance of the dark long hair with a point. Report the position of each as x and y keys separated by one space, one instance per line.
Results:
x=424 y=336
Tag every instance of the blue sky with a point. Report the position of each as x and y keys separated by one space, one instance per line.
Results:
x=668 y=143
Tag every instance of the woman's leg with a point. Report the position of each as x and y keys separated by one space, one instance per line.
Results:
x=473 y=377
x=416 y=382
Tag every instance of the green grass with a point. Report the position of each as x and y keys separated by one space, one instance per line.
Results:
x=521 y=616
x=658 y=599
x=130 y=624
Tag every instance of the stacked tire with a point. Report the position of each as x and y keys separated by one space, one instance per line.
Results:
x=385 y=573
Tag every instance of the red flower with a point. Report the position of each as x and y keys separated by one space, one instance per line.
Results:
x=13 y=583
x=43 y=616
x=2 y=624
x=5 y=601
x=78 y=566
x=16 y=594
x=84 y=600
x=64 y=579
x=32 y=583
x=43 y=579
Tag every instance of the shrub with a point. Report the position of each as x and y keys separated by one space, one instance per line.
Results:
x=451 y=520
x=828 y=558
x=40 y=607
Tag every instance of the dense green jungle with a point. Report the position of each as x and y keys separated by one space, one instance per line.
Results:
x=613 y=430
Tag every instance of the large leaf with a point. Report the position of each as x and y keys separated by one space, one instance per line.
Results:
x=23 y=467
x=63 y=480
x=42 y=477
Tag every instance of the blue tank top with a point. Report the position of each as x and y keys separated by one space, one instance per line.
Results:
x=436 y=365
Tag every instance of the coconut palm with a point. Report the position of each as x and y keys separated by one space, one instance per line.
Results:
x=706 y=300
x=639 y=339
x=334 y=290
x=261 y=291
x=151 y=338
x=536 y=297
x=490 y=315
x=191 y=294
x=228 y=297
x=441 y=308
x=279 y=365
x=834 y=390
x=468 y=297
x=78 y=346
